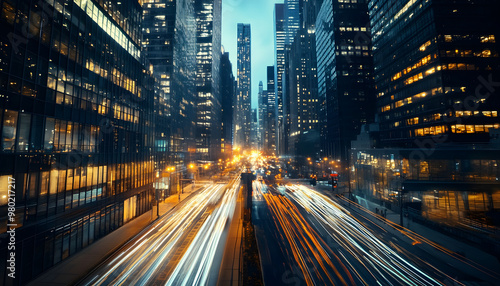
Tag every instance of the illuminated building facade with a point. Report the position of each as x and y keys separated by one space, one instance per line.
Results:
x=243 y=105
x=303 y=139
x=227 y=92
x=169 y=44
x=208 y=45
x=254 y=130
x=442 y=54
x=454 y=186
x=436 y=70
x=76 y=120
x=345 y=72
x=292 y=11
x=262 y=109
x=270 y=116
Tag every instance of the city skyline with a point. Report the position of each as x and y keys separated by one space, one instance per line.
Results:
x=259 y=14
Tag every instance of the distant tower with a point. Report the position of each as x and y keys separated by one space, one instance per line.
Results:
x=270 y=117
x=262 y=108
x=227 y=91
x=279 y=50
x=244 y=120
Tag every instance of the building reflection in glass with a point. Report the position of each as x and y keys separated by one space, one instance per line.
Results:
x=76 y=124
x=457 y=187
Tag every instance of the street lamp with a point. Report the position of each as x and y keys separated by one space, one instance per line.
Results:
x=157 y=194
x=194 y=168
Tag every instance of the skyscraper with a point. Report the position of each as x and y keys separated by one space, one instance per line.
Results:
x=303 y=139
x=436 y=70
x=345 y=69
x=262 y=111
x=76 y=118
x=169 y=44
x=279 y=49
x=292 y=11
x=227 y=87
x=208 y=44
x=432 y=85
x=244 y=91
x=302 y=89
x=270 y=124
x=254 y=130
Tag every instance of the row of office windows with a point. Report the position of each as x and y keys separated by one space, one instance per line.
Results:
x=88 y=183
x=41 y=195
x=23 y=132
x=41 y=251
x=66 y=38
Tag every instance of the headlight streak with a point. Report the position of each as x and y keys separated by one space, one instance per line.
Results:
x=417 y=238
x=351 y=234
x=195 y=265
x=353 y=269
x=141 y=261
x=305 y=243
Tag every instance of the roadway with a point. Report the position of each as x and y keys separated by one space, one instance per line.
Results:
x=306 y=238
x=183 y=247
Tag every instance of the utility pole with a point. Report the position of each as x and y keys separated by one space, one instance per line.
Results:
x=401 y=194
x=157 y=193
x=401 y=207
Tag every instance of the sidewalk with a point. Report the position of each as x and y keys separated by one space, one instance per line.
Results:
x=73 y=269
x=229 y=273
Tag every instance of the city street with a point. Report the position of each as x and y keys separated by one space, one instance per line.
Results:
x=321 y=242
x=249 y=143
x=184 y=247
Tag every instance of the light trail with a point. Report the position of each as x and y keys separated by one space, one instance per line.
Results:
x=383 y=263
x=195 y=265
x=318 y=264
x=353 y=254
x=143 y=261
x=419 y=239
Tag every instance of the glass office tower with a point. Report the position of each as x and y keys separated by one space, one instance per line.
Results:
x=345 y=72
x=170 y=45
x=270 y=125
x=244 y=87
x=432 y=60
x=279 y=53
x=227 y=91
x=436 y=70
x=208 y=45
x=76 y=124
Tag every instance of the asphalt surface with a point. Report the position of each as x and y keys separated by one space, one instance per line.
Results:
x=184 y=247
x=305 y=238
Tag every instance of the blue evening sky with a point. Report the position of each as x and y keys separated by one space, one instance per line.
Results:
x=259 y=14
